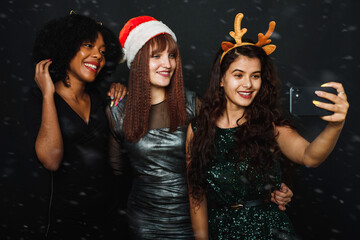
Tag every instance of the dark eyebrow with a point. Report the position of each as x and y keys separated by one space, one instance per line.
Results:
x=93 y=42
x=239 y=70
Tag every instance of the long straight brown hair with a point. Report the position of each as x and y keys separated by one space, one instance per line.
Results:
x=138 y=103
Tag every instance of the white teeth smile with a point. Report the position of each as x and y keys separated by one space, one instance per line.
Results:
x=164 y=72
x=91 y=66
x=246 y=94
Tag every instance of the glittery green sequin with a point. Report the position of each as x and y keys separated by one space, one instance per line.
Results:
x=228 y=186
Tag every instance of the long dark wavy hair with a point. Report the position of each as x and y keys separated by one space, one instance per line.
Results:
x=255 y=139
x=138 y=103
x=60 y=40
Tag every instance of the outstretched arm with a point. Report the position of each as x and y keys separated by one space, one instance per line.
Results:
x=198 y=211
x=297 y=149
x=49 y=144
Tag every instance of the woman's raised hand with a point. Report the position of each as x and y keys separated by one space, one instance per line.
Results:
x=340 y=106
x=43 y=78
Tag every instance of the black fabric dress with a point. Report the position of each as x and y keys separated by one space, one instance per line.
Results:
x=83 y=192
x=158 y=205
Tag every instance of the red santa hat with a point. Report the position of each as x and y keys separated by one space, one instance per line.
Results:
x=137 y=31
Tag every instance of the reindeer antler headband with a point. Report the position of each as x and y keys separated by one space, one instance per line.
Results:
x=239 y=33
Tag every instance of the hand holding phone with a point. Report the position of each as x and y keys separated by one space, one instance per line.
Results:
x=301 y=101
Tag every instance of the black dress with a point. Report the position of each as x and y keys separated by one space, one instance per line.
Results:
x=83 y=194
x=158 y=205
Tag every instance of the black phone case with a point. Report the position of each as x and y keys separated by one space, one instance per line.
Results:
x=301 y=101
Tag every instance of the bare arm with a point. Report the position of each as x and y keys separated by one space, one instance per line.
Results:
x=199 y=219
x=198 y=212
x=49 y=144
x=299 y=150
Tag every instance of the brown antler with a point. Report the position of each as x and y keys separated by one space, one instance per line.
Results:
x=239 y=33
x=265 y=39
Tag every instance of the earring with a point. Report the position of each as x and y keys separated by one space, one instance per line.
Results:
x=67 y=81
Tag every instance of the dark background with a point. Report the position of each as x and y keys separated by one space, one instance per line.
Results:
x=317 y=42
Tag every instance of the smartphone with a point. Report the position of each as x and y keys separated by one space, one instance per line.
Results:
x=301 y=101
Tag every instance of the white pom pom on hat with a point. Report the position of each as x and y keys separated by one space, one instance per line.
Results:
x=137 y=31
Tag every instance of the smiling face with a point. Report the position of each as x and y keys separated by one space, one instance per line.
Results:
x=161 y=68
x=88 y=61
x=242 y=82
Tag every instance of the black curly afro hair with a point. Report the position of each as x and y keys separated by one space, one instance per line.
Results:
x=60 y=40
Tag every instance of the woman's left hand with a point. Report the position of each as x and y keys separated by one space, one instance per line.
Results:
x=340 y=106
x=116 y=93
x=282 y=197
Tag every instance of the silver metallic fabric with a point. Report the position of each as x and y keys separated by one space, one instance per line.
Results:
x=158 y=205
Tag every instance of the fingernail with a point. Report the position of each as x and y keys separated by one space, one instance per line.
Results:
x=111 y=104
x=324 y=85
x=120 y=99
x=112 y=98
x=315 y=102
x=319 y=93
x=116 y=104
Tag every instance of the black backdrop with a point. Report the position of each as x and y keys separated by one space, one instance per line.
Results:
x=316 y=40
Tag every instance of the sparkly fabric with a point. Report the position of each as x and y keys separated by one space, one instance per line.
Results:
x=228 y=186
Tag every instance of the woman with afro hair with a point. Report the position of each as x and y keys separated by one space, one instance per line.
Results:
x=69 y=128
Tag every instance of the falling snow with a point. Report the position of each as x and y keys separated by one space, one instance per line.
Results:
x=317 y=42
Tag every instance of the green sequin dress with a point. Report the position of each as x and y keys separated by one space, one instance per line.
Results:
x=228 y=186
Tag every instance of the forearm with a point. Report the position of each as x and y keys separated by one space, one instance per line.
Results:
x=49 y=143
x=115 y=146
x=115 y=156
x=199 y=219
x=321 y=147
x=198 y=210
